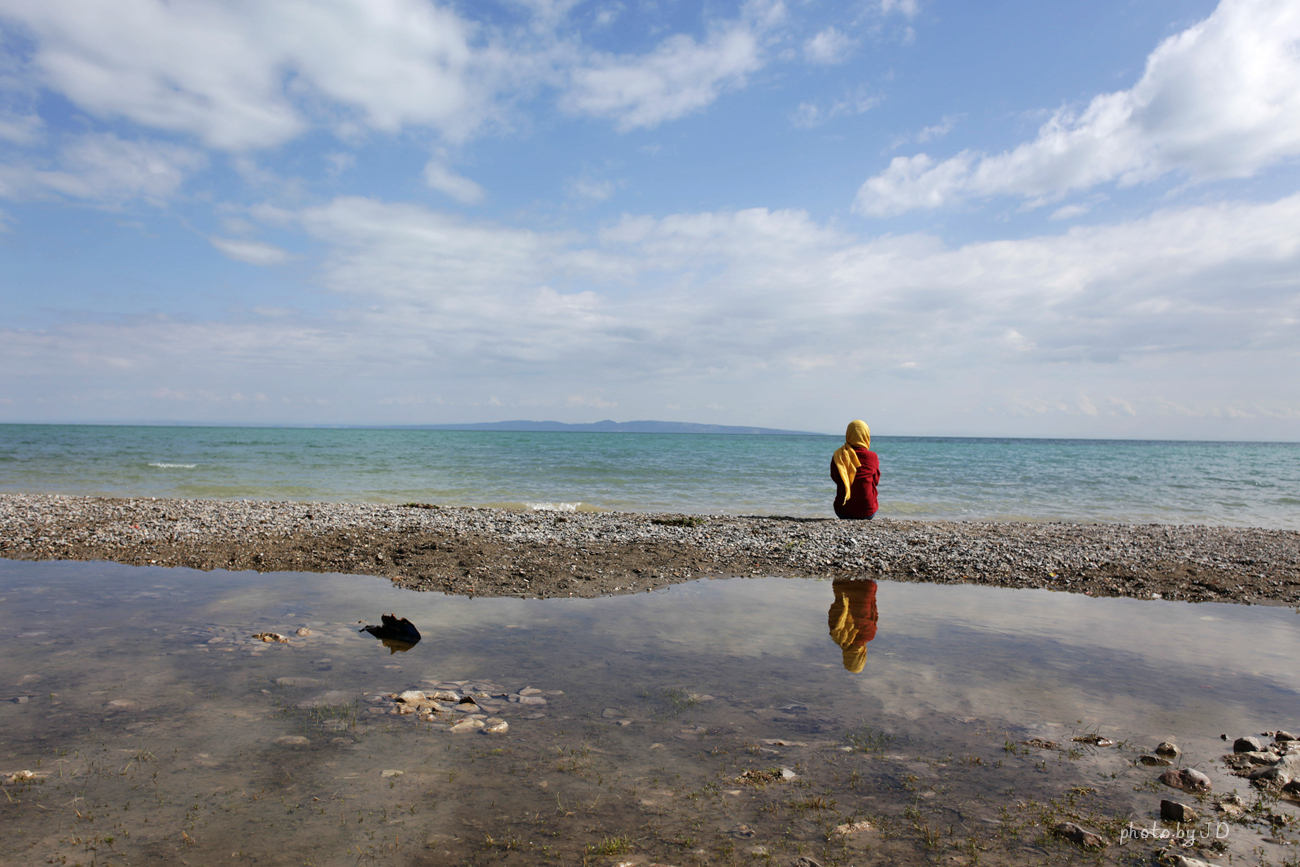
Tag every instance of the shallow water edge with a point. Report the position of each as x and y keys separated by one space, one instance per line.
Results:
x=708 y=723
x=495 y=552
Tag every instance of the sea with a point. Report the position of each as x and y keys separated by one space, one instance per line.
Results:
x=949 y=478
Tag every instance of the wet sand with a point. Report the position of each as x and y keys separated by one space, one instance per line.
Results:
x=497 y=552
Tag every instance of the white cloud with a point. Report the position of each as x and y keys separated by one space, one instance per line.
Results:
x=23 y=129
x=1221 y=99
x=828 y=47
x=101 y=167
x=591 y=189
x=252 y=252
x=908 y=8
x=680 y=76
x=938 y=130
x=241 y=76
x=693 y=308
x=809 y=115
x=1069 y=212
x=459 y=187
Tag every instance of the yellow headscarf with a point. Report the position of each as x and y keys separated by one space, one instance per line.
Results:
x=845 y=459
x=844 y=632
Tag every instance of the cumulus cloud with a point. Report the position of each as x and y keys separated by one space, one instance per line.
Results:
x=241 y=76
x=828 y=47
x=23 y=129
x=252 y=252
x=907 y=8
x=459 y=187
x=101 y=167
x=680 y=76
x=809 y=114
x=1219 y=100
x=684 y=302
x=762 y=286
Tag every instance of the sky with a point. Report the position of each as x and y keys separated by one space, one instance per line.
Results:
x=942 y=217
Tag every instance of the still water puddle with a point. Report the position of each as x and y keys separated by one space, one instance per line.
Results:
x=717 y=722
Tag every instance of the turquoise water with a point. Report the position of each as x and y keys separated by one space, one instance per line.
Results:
x=1242 y=484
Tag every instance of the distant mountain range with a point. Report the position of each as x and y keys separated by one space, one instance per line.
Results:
x=608 y=426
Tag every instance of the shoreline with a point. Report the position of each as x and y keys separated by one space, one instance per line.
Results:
x=496 y=552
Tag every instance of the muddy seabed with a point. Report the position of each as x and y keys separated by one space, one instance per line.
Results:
x=710 y=723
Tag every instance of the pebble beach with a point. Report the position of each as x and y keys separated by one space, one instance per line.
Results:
x=502 y=552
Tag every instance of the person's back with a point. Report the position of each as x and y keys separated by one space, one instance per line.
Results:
x=855 y=469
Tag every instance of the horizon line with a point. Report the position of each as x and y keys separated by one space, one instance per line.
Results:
x=467 y=427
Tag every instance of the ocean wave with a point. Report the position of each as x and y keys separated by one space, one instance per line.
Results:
x=553 y=507
x=172 y=466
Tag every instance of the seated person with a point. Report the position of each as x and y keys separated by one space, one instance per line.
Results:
x=855 y=469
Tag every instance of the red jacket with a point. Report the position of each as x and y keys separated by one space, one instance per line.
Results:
x=863 y=503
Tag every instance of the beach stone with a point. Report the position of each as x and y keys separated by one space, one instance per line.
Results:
x=22 y=699
x=1187 y=779
x=411 y=696
x=469 y=725
x=611 y=713
x=1247 y=745
x=850 y=829
x=1172 y=811
x=1153 y=760
x=291 y=741
x=1078 y=835
x=1167 y=750
x=391 y=773
x=532 y=700
x=1188 y=861
x=528 y=690
x=1280 y=736
x=303 y=632
x=1256 y=758
x=1280 y=773
x=495 y=726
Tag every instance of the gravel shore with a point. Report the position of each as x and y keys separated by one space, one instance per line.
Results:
x=496 y=552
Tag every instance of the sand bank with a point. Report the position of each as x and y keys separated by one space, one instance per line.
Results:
x=497 y=552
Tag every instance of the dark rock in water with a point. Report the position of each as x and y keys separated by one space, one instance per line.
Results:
x=1172 y=811
x=1153 y=760
x=1079 y=836
x=1187 y=779
x=1280 y=736
x=395 y=633
x=1247 y=745
x=1167 y=750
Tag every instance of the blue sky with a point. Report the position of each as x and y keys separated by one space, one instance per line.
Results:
x=1005 y=218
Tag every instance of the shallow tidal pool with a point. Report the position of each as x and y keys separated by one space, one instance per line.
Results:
x=740 y=721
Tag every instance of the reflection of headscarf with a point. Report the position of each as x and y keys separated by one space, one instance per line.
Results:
x=852 y=620
x=846 y=459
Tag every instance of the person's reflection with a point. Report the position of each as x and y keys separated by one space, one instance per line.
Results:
x=852 y=620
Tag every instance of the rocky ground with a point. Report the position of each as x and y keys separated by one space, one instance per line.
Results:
x=495 y=552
